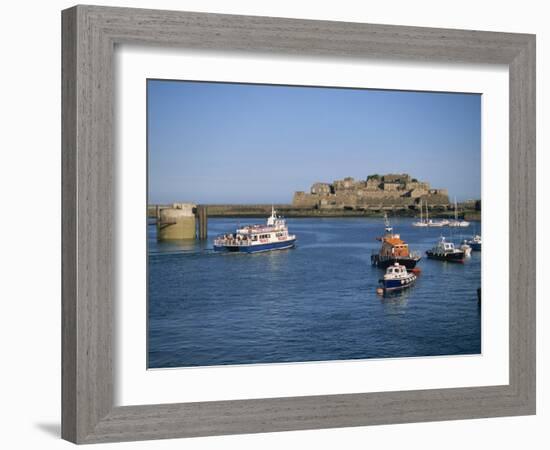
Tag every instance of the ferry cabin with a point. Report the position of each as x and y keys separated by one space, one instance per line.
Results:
x=264 y=238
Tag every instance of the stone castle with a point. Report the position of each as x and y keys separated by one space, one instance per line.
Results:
x=392 y=190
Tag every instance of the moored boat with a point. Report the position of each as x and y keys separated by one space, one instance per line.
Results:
x=393 y=250
x=421 y=222
x=257 y=238
x=446 y=251
x=466 y=249
x=396 y=278
x=459 y=223
x=475 y=243
x=437 y=223
x=456 y=222
x=434 y=223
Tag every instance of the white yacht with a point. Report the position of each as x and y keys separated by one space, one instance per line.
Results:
x=421 y=222
x=456 y=222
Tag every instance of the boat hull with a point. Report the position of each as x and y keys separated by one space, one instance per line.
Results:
x=281 y=245
x=384 y=263
x=476 y=246
x=451 y=257
x=397 y=284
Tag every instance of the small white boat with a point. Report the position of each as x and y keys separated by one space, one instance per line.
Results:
x=435 y=223
x=456 y=222
x=438 y=223
x=421 y=222
x=459 y=223
x=466 y=249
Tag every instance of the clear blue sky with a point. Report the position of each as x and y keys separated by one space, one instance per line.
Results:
x=239 y=143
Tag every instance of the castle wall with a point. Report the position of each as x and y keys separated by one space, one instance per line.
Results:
x=386 y=190
x=303 y=200
x=321 y=188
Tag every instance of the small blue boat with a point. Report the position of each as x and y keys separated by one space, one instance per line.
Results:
x=397 y=278
x=475 y=243
x=257 y=238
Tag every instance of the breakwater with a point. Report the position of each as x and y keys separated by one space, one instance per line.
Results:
x=287 y=210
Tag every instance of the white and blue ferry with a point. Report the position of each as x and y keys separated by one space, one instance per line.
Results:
x=257 y=238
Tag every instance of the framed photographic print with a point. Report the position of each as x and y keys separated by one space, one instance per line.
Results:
x=278 y=224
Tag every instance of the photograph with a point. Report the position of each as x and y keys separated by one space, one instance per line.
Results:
x=265 y=225
x=300 y=224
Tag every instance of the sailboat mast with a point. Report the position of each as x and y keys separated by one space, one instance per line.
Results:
x=456 y=211
x=427 y=211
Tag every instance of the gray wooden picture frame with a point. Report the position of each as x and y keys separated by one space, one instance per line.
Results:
x=89 y=37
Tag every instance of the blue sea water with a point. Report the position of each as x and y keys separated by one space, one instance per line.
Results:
x=315 y=302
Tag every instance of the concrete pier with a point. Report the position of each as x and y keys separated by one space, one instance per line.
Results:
x=202 y=216
x=176 y=222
